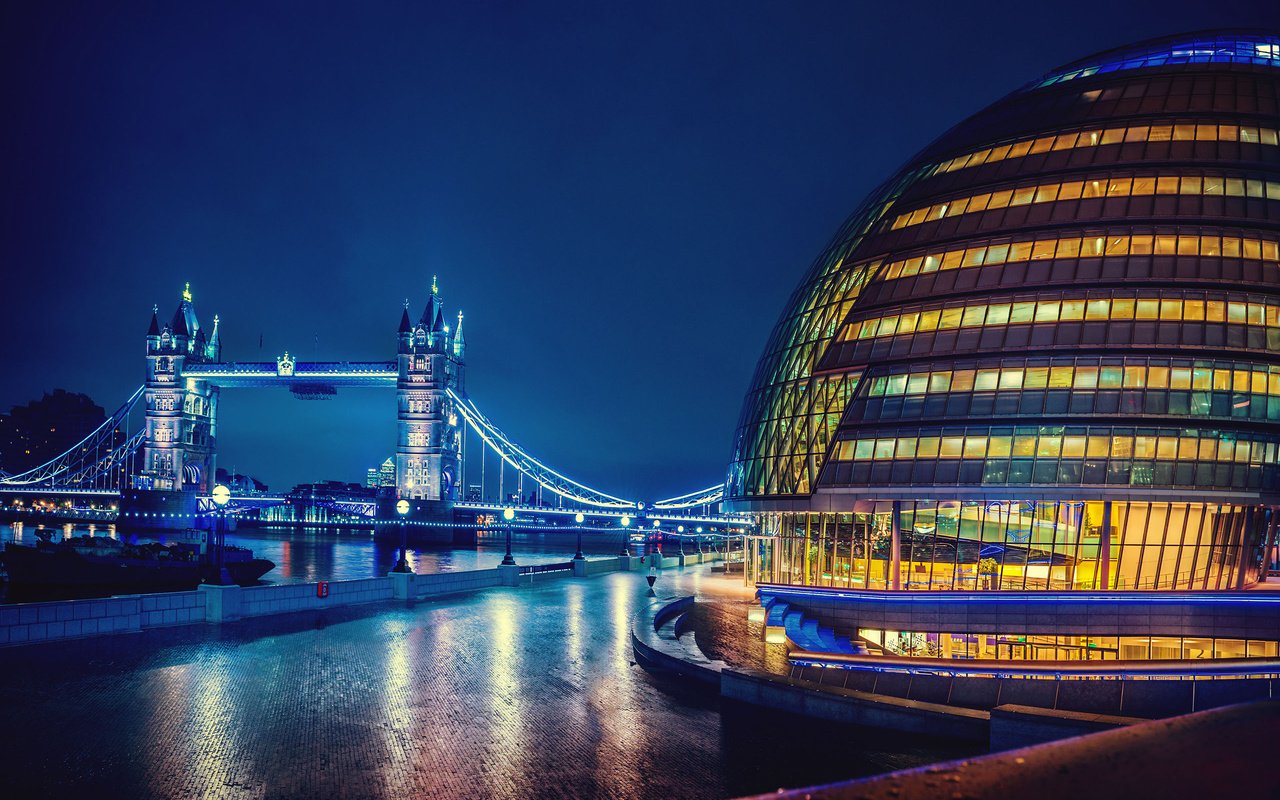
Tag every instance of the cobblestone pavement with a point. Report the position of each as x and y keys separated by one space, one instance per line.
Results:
x=513 y=692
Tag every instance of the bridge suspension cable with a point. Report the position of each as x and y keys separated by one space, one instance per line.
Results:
x=526 y=464
x=85 y=462
x=702 y=497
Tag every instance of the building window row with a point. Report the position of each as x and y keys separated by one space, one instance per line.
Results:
x=978 y=314
x=1069 y=247
x=1177 y=132
x=1029 y=403
x=1049 y=472
x=1105 y=187
x=1244 y=378
x=1059 y=442
x=1032 y=647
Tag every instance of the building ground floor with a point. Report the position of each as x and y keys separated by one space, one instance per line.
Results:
x=1020 y=545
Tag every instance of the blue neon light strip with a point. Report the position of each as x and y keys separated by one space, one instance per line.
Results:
x=1242 y=49
x=998 y=669
x=1007 y=598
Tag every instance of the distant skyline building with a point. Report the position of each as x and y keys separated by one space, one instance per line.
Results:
x=387 y=473
x=1045 y=354
x=35 y=432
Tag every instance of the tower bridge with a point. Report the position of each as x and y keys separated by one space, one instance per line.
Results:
x=153 y=461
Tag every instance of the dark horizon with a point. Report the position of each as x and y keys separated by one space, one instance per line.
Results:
x=620 y=200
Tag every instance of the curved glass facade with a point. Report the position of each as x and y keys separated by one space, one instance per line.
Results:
x=1045 y=353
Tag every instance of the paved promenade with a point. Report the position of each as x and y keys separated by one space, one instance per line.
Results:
x=512 y=692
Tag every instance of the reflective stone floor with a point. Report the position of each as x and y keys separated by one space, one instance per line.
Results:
x=513 y=692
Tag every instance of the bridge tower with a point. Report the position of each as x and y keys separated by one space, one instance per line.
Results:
x=431 y=360
x=179 y=449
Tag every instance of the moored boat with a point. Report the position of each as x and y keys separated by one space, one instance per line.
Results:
x=96 y=565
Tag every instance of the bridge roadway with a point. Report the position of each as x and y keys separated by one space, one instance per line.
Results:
x=526 y=692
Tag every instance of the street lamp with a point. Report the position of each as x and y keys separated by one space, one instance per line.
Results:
x=578 y=518
x=221 y=496
x=508 y=514
x=402 y=508
x=626 y=523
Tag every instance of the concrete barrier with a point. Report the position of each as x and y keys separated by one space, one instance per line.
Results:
x=257 y=601
x=24 y=623
x=1194 y=756
x=854 y=707
x=1020 y=726
x=67 y=619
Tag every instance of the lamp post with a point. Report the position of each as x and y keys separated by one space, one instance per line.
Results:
x=578 y=518
x=221 y=496
x=680 y=531
x=626 y=523
x=508 y=514
x=402 y=508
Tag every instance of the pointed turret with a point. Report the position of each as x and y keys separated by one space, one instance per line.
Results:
x=153 y=331
x=459 y=342
x=432 y=310
x=213 y=351
x=405 y=335
x=179 y=323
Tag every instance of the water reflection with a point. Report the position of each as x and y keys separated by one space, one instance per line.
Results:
x=506 y=709
x=314 y=554
x=397 y=700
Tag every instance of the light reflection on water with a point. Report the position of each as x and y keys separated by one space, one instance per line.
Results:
x=322 y=554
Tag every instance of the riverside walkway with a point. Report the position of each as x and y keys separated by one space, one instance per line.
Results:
x=527 y=692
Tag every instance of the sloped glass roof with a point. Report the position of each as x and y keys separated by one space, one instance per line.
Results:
x=1239 y=47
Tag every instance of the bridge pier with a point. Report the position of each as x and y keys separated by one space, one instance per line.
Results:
x=157 y=510
x=428 y=522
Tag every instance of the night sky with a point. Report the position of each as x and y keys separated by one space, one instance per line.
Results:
x=620 y=199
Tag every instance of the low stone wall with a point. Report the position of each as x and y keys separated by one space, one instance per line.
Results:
x=662 y=562
x=1193 y=756
x=1019 y=726
x=444 y=583
x=257 y=601
x=64 y=619
x=599 y=566
x=853 y=707
x=67 y=619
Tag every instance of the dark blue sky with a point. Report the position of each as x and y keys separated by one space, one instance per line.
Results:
x=619 y=198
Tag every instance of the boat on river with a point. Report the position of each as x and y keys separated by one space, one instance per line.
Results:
x=99 y=564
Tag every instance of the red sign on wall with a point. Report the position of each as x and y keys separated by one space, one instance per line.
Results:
x=322 y=589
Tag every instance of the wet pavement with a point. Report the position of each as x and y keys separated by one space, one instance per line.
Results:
x=527 y=692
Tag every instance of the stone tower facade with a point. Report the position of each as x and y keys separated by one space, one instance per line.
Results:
x=431 y=361
x=181 y=413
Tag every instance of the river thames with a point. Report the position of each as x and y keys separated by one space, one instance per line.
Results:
x=326 y=554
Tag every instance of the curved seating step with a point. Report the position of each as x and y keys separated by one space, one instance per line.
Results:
x=658 y=645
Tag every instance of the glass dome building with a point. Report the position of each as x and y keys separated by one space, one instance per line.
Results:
x=1045 y=354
